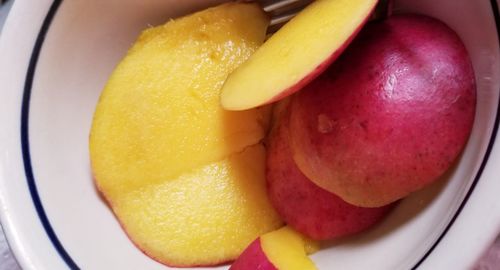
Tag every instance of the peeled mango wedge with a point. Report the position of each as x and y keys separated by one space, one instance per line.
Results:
x=159 y=113
x=206 y=216
x=185 y=178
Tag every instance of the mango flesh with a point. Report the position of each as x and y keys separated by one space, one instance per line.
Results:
x=206 y=216
x=185 y=178
x=283 y=249
x=304 y=206
x=296 y=54
x=390 y=115
x=159 y=113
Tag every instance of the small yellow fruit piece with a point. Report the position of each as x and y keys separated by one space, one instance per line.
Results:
x=204 y=217
x=296 y=54
x=288 y=249
x=160 y=113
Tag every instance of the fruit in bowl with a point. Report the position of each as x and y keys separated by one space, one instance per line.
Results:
x=280 y=249
x=320 y=33
x=390 y=116
x=309 y=209
x=187 y=178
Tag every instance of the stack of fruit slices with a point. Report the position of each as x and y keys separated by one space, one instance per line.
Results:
x=187 y=154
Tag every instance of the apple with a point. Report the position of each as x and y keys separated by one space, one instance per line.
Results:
x=283 y=249
x=184 y=177
x=296 y=54
x=390 y=115
x=309 y=209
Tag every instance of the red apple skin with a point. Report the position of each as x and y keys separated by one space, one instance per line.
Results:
x=320 y=68
x=391 y=114
x=252 y=258
x=303 y=205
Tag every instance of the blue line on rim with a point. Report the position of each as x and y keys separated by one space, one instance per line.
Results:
x=25 y=137
x=496 y=16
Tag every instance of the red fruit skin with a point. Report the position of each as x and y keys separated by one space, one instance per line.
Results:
x=390 y=115
x=253 y=258
x=303 y=205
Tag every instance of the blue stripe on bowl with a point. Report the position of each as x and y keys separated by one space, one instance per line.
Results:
x=31 y=179
x=496 y=15
x=25 y=137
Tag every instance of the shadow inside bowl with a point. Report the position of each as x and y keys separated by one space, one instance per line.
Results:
x=405 y=210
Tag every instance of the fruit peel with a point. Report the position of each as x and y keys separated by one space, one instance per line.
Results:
x=390 y=116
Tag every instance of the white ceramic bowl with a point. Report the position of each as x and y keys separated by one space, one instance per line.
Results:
x=55 y=57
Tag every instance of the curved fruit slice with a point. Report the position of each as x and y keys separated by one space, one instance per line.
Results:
x=159 y=123
x=159 y=113
x=303 y=205
x=283 y=249
x=296 y=54
x=206 y=216
x=391 y=114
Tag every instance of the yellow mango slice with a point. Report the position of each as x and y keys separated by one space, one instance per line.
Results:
x=204 y=217
x=184 y=177
x=287 y=249
x=159 y=113
x=296 y=54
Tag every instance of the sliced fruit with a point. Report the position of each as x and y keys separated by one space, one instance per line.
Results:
x=283 y=249
x=206 y=216
x=185 y=178
x=296 y=54
x=253 y=257
x=304 y=206
x=159 y=113
x=391 y=114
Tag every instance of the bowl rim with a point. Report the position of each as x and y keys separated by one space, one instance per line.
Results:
x=492 y=149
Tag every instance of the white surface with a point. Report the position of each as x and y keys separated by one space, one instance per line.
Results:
x=84 y=43
x=7 y=260
x=19 y=218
